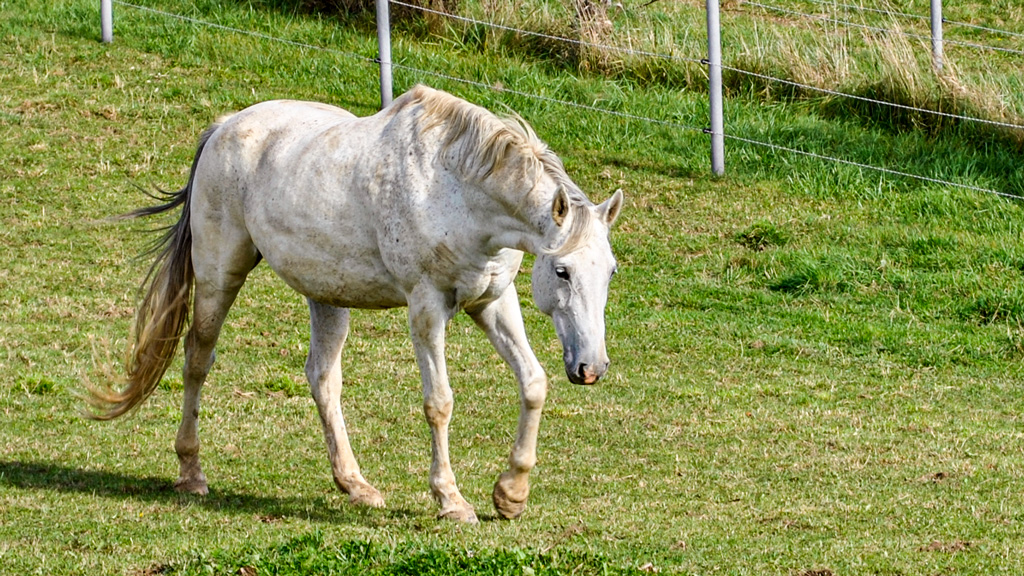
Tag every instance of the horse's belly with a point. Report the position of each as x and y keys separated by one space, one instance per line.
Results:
x=380 y=301
x=345 y=284
x=332 y=261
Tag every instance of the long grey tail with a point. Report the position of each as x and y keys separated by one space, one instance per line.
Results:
x=164 y=309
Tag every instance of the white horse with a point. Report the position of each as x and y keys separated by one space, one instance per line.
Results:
x=427 y=204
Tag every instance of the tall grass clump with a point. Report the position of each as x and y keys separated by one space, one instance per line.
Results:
x=566 y=34
x=898 y=71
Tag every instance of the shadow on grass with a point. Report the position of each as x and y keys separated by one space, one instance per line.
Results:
x=61 y=478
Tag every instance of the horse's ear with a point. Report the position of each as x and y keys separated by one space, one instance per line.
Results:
x=611 y=207
x=560 y=207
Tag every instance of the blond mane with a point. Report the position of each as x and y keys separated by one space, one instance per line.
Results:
x=492 y=141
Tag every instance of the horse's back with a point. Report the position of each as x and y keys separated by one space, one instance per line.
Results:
x=271 y=137
x=288 y=180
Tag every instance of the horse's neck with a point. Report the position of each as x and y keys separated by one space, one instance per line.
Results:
x=503 y=205
x=518 y=218
x=512 y=232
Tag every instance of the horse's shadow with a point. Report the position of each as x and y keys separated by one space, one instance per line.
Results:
x=107 y=484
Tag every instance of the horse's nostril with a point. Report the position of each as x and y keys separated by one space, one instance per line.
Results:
x=581 y=371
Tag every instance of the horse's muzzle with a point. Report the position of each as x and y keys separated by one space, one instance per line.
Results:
x=587 y=374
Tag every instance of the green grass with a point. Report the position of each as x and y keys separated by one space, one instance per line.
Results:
x=311 y=554
x=815 y=367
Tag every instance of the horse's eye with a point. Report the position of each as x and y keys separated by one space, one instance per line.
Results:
x=562 y=273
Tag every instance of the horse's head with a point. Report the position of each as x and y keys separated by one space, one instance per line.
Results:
x=571 y=286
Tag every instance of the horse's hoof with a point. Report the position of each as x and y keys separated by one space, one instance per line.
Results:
x=465 y=515
x=192 y=486
x=368 y=497
x=509 y=509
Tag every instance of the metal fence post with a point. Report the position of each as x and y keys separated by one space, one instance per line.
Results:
x=714 y=62
x=106 y=22
x=384 y=52
x=937 y=34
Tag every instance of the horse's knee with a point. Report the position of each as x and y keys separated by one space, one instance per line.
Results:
x=438 y=410
x=534 y=393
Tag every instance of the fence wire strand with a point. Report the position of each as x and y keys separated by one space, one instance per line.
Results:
x=890 y=171
x=983 y=28
x=872 y=100
x=873 y=10
x=975 y=45
x=625 y=115
x=824 y=18
x=737 y=70
x=546 y=36
x=850 y=24
x=251 y=33
x=915 y=17
x=568 y=103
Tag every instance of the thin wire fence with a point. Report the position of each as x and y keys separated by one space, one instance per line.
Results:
x=575 y=41
x=568 y=103
x=365 y=59
x=893 y=13
x=872 y=100
x=251 y=33
x=883 y=170
x=983 y=28
x=701 y=61
x=770 y=145
x=866 y=9
x=550 y=100
x=851 y=24
x=824 y=18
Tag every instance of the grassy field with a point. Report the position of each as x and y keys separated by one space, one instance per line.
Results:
x=816 y=368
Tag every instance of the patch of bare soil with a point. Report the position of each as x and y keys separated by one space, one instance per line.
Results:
x=951 y=547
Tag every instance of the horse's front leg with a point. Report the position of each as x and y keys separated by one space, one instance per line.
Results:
x=502 y=320
x=428 y=319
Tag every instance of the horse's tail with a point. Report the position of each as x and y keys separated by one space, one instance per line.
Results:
x=164 y=309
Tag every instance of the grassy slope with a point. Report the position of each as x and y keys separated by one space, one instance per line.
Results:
x=815 y=367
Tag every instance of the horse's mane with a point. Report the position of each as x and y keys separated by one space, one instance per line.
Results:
x=493 y=141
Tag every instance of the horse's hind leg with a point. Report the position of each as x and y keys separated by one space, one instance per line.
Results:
x=211 y=305
x=328 y=330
